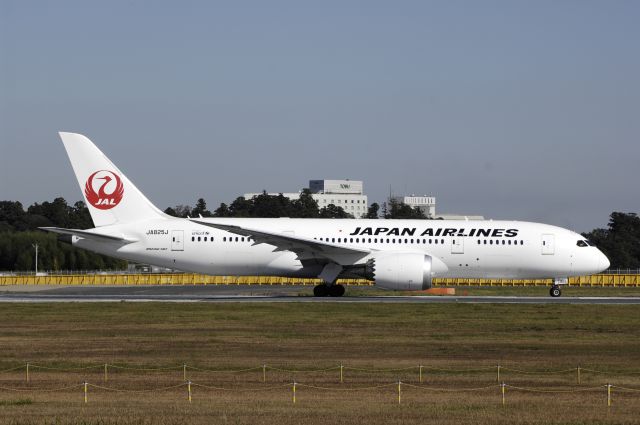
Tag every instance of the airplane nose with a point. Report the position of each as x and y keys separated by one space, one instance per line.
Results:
x=604 y=262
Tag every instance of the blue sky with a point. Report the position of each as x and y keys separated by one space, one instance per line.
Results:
x=513 y=110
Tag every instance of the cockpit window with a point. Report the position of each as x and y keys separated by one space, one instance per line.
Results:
x=582 y=243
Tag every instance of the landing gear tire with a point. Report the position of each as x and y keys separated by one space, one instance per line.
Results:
x=336 y=290
x=321 y=291
x=555 y=291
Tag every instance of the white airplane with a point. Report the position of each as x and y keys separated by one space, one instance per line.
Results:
x=396 y=254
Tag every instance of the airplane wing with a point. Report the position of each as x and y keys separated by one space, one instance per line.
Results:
x=87 y=234
x=305 y=248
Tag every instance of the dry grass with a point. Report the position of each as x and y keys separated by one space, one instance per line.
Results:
x=308 y=337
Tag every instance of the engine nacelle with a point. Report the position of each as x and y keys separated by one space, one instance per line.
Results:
x=408 y=271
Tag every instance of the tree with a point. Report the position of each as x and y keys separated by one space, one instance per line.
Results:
x=621 y=241
x=170 y=211
x=372 y=211
x=56 y=212
x=222 y=211
x=180 y=211
x=200 y=209
x=241 y=207
x=305 y=206
x=265 y=205
x=12 y=216
x=395 y=209
x=332 y=211
x=80 y=217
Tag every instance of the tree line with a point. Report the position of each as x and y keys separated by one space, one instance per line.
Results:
x=19 y=233
x=265 y=206
x=620 y=241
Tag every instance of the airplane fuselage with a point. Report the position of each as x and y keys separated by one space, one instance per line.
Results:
x=468 y=249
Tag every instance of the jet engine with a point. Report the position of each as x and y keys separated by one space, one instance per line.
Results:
x=408 y=271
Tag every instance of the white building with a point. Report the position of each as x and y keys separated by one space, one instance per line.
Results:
x=427 y=204
x=347 y=194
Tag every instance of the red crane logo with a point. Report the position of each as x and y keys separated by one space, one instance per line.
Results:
x=109 y=193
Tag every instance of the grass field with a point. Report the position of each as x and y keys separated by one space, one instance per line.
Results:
x=306 y=337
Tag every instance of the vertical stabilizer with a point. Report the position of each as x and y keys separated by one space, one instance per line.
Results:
x=108 y=193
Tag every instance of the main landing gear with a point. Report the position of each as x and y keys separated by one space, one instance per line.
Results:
x=325 y=290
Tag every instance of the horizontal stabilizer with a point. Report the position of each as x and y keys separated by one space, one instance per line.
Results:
x=88 y=235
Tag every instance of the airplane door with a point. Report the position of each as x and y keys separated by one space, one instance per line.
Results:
x=457 y=246
x=177 y=240
x=548 y=244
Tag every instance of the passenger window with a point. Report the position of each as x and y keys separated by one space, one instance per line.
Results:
x=521 y=242
x=193 y=238
x=198 y=238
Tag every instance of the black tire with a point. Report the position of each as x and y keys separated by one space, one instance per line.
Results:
x=321 y=291
x=555 y=291
x=336 y=290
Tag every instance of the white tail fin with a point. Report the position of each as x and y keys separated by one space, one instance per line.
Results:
x=108 y=193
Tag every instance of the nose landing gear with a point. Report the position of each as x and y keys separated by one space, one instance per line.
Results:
x=557 y=283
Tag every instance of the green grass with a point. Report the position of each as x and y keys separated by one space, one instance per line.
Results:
x=313 y=336
x=18 y=402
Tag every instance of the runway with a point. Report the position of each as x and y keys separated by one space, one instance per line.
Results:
x=249 y=294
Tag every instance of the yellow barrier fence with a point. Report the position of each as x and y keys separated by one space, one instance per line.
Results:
x=618 y=280
x=623 y=280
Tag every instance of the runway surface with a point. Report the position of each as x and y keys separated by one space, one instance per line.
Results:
x=252 y=294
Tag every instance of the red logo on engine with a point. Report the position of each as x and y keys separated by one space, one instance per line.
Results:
x=110 y=189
